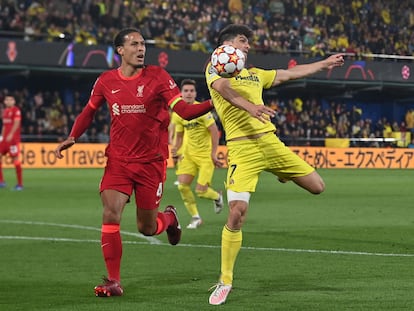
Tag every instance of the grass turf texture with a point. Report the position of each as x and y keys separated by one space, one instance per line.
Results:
x=300 y=252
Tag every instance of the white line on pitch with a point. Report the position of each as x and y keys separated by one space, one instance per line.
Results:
x=287 y=250
x=149 y=239
x=153 y=240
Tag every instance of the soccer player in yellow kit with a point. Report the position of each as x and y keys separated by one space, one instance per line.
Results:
x=198 y=155
x=172 y=136
x=252 y=144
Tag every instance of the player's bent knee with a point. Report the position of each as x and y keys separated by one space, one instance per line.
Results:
x=183 y=187
x=201 y=194
x=316 y=191
x=318 y=188
x=312 y=183
x=147 y=231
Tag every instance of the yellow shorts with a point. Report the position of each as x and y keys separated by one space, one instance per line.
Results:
x=196 y=164
x=248 y=158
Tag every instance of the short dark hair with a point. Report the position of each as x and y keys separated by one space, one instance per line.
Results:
x=232 y=31
x=119 y=39
x=188 y=82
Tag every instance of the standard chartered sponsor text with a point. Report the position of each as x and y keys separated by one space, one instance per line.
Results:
x=133 y=108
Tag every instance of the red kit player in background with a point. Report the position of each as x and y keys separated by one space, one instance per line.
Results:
x=10 y=143
x=139 y=98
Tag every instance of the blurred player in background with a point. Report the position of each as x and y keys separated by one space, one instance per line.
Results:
x=252 y=144
x=198 y=156
x=10 y=139
x=139 y=98
x=171 y=141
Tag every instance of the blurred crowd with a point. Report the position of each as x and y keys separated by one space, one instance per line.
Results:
x=311 y=27
x=48 y=116
x=309 y=121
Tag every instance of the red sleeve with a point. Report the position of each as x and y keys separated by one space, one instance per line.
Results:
x=188 y=111
x=17 y=114
x=171 y=93
x=83 y=120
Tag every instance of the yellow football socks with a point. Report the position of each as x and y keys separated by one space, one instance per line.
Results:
x=188 y=199
x=231 y=241
x=208 y=194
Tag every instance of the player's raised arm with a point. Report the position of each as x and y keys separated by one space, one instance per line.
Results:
x=301 y=71
x=189 y=112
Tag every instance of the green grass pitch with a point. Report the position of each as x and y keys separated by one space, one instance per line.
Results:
x=350 y=248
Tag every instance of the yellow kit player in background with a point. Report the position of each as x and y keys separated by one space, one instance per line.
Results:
x=197 y=156
x=172 y=136
x=252 y=144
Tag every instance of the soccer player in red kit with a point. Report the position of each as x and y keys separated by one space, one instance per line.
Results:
x=139 y=98
x=10 y=143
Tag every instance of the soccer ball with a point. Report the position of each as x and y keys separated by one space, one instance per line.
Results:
x=227 y=61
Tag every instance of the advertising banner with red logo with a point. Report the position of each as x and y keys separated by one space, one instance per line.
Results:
x=41 y=155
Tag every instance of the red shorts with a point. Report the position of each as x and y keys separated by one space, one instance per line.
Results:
x=12 y=149
x=145 y=179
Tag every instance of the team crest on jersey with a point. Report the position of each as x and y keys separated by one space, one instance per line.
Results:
x=115 y=109
x=172 y=84
x=140 y=91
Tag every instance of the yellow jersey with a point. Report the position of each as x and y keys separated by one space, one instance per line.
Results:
x=174 y=119
x=249 y=83
x=197 y=138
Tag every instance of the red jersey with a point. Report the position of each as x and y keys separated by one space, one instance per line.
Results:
x=10 y=115
x=139 y=112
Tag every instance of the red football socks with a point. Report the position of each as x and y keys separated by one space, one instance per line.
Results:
x=163 y=221
x=19 y=173
x=111 y=245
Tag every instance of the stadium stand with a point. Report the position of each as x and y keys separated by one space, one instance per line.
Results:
x=47 y=118
x=312 y=27
x=363 y=29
